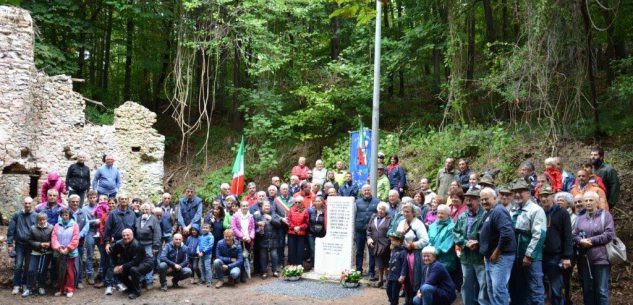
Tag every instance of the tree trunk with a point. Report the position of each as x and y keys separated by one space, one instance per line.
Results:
x=128 y=52
x=401 y=70
x=590 y=75
x=82 y=46
x=470 y=25
x=504 y=20
x=490 y=24
x=387 y=27
x=106 y=50
x=335 y=48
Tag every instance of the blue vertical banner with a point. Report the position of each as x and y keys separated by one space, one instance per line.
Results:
x=360 y=156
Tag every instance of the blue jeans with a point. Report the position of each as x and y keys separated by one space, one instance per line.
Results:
x=283 y=232
x=21 y=264
x=428 y=292
x=554 y=274
x=474 y=284
x=263 y=259
x=79 y=263
x=234 y=273
x=102 y=261
x=311 y=244
x=149 y=277
x=497 y=277
x=595 y=282
x=89 y=242
x=531 y=294
x=176 y=275
x=207 y=274
x=37 y=269
x=360 y=238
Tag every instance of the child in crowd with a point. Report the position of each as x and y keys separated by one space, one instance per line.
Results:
x=398 y=267
x=192 y=246
x=205 y=245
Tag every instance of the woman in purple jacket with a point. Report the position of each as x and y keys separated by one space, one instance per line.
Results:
x=593 y=231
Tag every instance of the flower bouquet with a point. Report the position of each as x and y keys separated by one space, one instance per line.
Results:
x=350 y=279
x=292 y=273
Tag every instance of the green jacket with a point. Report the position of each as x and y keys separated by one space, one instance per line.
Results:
x=383 y=188
x=444 y=179
x=460 y=236
x=530 y=227
x=611 y=181
x=441 y=237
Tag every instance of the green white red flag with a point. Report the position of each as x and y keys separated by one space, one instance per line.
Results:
x=362 y=146
x=237 y=186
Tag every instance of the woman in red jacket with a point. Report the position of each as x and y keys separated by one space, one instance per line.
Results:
x=297 y=221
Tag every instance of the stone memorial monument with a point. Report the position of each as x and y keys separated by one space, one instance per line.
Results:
x=333 y=253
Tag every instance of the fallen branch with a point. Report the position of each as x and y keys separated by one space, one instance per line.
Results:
x=93 y=102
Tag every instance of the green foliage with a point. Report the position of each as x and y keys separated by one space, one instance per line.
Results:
x=99 y=116
x=212 y=182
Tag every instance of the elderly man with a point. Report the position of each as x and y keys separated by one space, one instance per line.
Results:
x=306 y=193
x=583 y=185
x=18 y=241
x=228 y=259
x=383 y=185
x=425 y=188
x=118 y=220
x=339 y=172
x=497 y=245
x=319 y=172
x=607 y=173
x=51 y=207
x=530 y=225
x=225 y=190
x=174 y=260
x=366 y=206
x=466 y=236
x=107 y=179
x=82 y=219
x=190 y=210
x=251 y=194
x=78 y=178
x=282 y=203
x=168 y=218
x=130 y=262
x=558 y=244
x=445 y=176
x=300 y=170
x=463 y=175
x=506 y=198
x=348 y=188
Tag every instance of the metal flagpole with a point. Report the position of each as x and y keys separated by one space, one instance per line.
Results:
x=376 y=102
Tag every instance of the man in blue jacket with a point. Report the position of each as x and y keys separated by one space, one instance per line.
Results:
x=497 y=244
x=107 y=179
x=174 y=260
x=229 y=259
x=190 y=210
x=18 y=241
x=365 y=207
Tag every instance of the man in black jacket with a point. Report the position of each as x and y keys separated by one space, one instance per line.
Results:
x=78 y=178
x=118 y=220
x=130 y=262
x=18 y=242
x=558 y=243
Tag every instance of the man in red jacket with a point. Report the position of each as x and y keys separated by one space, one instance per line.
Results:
x=301 y=170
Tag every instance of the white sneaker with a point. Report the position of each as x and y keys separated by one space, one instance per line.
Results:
x=120 y=287
x=26 y=293
x=108 y=290
x=16 y=290
x=70 y=294
x=41 y=291
x=57 y=294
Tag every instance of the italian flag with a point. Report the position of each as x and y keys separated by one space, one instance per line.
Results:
x=362 y=160
x=237 y=186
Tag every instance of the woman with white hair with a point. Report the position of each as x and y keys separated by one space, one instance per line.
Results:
x=437 y=286
x=149 y=234
x=377 y=240
x=565 y=200
x=593 y=231
x=441 y=237
x=415 y=238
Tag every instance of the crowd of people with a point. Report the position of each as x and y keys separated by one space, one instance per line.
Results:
x=489 y=243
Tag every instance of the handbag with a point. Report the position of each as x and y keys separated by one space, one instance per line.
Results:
x=616 y=250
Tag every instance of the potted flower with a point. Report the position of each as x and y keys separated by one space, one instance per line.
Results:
x=350 y=279
x=292 y=273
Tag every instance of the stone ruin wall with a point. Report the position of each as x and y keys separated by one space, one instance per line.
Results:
x=43 y=126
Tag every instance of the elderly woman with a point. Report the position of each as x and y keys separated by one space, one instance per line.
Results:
x=149 y=234
x=415 y=238
x=436 y=286
x=593 y=231
x=377 y=240
x=431 y=214
x=40 y=256
x=267 y=228
x=457 y=203
x=566 y=201
x=64 y=242
x=298 y=221
x=441 y=237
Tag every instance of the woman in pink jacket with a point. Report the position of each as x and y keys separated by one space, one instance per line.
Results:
x=243 y=225
x=64 y=242
x=53 y=182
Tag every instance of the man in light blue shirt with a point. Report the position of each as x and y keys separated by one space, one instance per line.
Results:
x=107 y=179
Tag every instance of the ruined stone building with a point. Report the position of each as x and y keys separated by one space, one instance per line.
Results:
x=43 y=126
